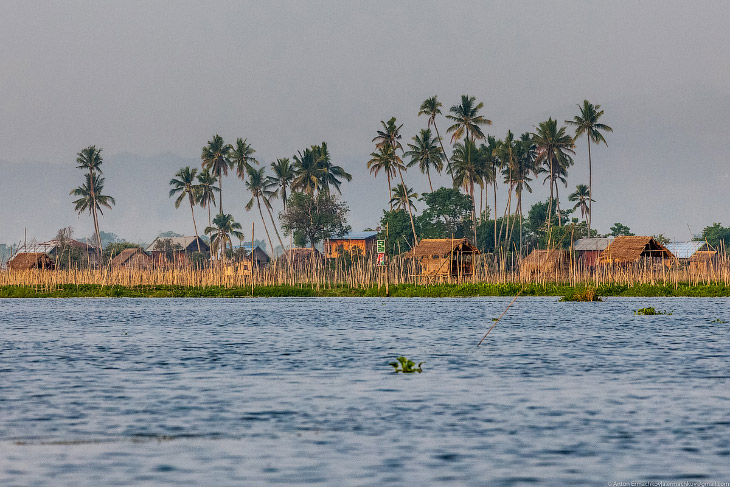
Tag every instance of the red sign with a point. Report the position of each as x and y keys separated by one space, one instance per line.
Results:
x=381 y=259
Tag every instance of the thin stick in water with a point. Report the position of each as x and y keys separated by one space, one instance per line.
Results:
x=500 y=317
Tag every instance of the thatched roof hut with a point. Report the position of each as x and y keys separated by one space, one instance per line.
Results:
x=545 y=262
x=30 y=260
x=629 y=250
x=134 y=258
x=445 y=257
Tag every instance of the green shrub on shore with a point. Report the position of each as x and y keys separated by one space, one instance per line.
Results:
x=588 y=295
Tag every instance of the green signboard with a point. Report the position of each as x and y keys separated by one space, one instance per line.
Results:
x=381 y=246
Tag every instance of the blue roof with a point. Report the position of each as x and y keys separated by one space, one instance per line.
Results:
x=356 y=236
x=685 y=250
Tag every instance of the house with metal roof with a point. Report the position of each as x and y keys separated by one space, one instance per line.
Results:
x=260 y=257
x=698 y=254
x=588 y=250
x=363 y=242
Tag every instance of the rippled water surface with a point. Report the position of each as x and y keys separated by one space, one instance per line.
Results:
x=298 y=392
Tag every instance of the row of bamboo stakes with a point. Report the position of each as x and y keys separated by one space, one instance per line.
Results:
x=362 y=273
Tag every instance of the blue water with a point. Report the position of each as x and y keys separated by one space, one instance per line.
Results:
x=298 y=392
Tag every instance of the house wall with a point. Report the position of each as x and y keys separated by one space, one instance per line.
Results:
x=365 y=246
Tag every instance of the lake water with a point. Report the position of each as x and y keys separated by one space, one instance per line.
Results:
x=178 y=392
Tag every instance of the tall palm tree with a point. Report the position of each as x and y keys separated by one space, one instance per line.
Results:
x=465 y=172
x=582 y=197
x=216 y=157
x=260 y=187
x=553 y=149
x=525 y=167
x=330 y=172
x=242 y=157
x=490 y=167
x=224 y=226
x=587 y=123
x=403 y=196
x=91 y=200
x=183 y=184
x=207 y=187
x=431 y=107
x=426 y=154
x=467 y=121
x=90 y=160
x=390 y=137
x=283 y=176
x=382 y=160
x=506 y=150
x=308 y=172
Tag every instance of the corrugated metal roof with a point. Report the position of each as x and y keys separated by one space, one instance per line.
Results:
x=184 y=242
x=356 y=236
x=685 y=250
x=586 y=244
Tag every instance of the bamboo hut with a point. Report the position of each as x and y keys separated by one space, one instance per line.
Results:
x=30 y=260
x=445 y=258
x=632 y=250
x=547 y=262
x=134 y=258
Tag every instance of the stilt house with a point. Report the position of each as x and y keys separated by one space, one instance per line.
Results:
x=445 y=258
x=545 y=262
x=633 y=250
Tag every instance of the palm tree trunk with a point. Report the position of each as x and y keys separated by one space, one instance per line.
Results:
x=550 y=204
x=271 y=216
x=590 y=187
x=390 y=192
x=557 y=204
x=494 y=192
x=442 y=148
x=220 y=193
x=429 y=179
x=93 y=213
x=195 y=226
x=410 y=214
x=473 y=210
x=258 y=204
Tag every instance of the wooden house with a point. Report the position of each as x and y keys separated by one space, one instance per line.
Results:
x=243 y=253
x=134 y=258
x=54 y=249
x=545 y=262
x=180 y=247
x=23 y=261
x=588 y=250
x=633 y=250
x=444 y=258
x=359 y=242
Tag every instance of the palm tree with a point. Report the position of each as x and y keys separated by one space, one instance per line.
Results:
x=432 y=107
x=221 y=231
x=330 y=173
x=553 y=146
x=216 y=157
x=90 y=159
x=403 y=196
x=467 y=121
x=308 y=173
x=207 y=187
x=260 y=187
x=582 y=198
x=91 y=200
x=390 y=137
x=283 y=176
x=382 y=160
x=464 y=170
x=425 y=153
x=525 y=166
x=490 y=167
x=183 y=184
x=242 y=157
x=587 y=123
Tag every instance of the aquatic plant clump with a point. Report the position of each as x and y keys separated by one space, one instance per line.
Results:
x=651 y=311
x=406 y=366
x=589 y=295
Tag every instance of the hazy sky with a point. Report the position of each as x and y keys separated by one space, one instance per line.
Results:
x=147 y=79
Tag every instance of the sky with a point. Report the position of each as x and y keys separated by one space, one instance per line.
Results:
x=151 y=82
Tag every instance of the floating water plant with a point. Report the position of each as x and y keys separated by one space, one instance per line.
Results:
x=588 y=295
x=406 y=366
x=718 y=320
x=651 y=311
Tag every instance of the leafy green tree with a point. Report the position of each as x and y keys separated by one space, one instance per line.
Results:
x=183 y=185
x=581 y=199
x=224 y=227
x=717 y=236
x=216 y=157
x=661 y=238
x=553 y=149
x=402 y=197
x=283 y=176
x=396 y=225
x=168 y=248
x=426 y=154
x=447 y=214
x=313 y=218
x=539 y=226
x=431 y=107
x=619 y=229
x=390 y=136
x=587 y=123
x=206 y=186
x=90 y=199
x=89 y=159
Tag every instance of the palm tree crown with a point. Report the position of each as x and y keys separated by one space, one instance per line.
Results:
x=242 y=157
x=183 y=184
x=283 y=176
x=426 y=154
x=403 y=196
x=580 y=197
x=216 y=157
x=467 y=121
x=86 y=202
x=224 y=226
